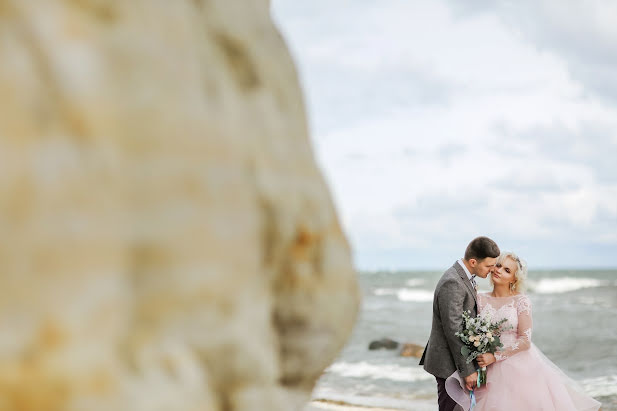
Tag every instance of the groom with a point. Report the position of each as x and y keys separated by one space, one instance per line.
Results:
x=455 y=293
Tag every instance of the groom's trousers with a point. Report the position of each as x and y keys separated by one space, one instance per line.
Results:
x=443 y=399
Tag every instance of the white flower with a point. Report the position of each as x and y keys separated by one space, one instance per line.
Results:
x=489 y=335
x=492 y=339
x=476 y=343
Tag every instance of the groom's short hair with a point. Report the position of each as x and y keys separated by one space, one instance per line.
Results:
x=481 y=247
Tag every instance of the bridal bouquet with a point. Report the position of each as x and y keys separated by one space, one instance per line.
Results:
x=480 y=336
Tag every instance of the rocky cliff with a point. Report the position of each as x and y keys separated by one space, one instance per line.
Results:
x=166 y=240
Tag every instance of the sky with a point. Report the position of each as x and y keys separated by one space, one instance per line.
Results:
x=435 y=121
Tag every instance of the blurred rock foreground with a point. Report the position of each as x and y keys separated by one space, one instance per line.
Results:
x=166 y=240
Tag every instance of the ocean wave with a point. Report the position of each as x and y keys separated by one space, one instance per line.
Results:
x=414 y=282
x=601 y=386
x=597 y=302
x=392 y=372
x=543 y=286
x=385 y=291
x=563 y=285
x=406 y=294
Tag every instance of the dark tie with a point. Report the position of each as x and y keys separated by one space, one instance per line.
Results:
x=473 y=283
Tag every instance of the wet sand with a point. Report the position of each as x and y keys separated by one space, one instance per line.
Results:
x=339 y=406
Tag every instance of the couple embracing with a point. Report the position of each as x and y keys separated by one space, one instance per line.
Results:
x=519 y=376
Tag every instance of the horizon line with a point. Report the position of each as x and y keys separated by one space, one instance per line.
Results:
x=544 y=268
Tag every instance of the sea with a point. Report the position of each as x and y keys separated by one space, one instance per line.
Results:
x=575 y=325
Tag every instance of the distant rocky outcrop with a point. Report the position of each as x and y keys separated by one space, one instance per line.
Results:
x=167 y=241
x=406 y=349
x=411 y=350
x=384 y=343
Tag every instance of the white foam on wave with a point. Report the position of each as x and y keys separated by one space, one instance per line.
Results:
x=406 y=294
x=601 y=386
x=385 y=291
x=563 y=284
x=414 y=282
x=392 y=372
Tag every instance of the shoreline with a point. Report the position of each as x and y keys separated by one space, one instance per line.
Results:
x=322 y=404
x=370 y=404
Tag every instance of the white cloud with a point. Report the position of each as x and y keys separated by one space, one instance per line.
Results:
x=434 y=126
x=584 y=34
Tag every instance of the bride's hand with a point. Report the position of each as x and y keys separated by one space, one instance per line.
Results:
x=485 y=359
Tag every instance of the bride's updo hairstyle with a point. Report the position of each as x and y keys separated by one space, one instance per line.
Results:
x=520 y=275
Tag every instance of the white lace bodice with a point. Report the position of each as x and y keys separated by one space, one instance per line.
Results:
x=517 y=311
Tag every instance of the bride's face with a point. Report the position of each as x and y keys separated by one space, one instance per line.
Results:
x=505 y=272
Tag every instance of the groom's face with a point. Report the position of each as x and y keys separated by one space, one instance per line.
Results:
x=483 y=267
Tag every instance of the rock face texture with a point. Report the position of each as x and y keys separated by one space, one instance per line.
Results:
x=166 y=240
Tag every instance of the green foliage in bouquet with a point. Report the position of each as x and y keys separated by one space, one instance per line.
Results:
x=480 y=336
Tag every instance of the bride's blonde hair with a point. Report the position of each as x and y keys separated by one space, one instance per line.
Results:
x=520 y=276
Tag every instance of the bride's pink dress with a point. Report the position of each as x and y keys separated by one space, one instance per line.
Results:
x=522 y=378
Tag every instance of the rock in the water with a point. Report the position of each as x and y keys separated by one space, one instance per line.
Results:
x=411 y=350
x=160 y=206
x=384 y=343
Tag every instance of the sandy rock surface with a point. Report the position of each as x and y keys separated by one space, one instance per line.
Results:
x=167 y=242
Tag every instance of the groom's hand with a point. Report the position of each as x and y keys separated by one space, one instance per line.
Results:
x=471 y=380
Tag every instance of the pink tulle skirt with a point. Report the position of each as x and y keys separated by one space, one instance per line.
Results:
x=526 y=381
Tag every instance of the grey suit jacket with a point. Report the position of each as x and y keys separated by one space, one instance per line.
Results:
x=453 y=295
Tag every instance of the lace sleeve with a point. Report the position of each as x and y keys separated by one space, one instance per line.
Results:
x=525 y=325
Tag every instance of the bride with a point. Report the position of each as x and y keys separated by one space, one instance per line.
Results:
x=519 y=376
